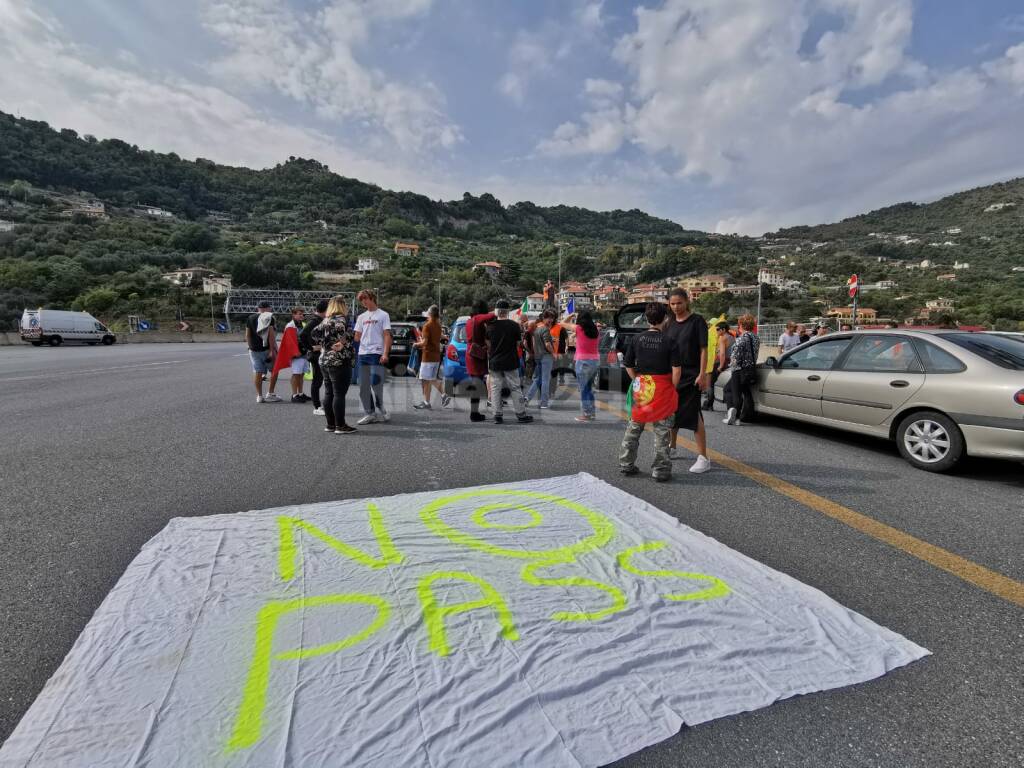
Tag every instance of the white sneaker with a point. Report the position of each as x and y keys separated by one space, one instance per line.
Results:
x=671 y=452
x=370 y=418
x=259 y=399
x=702 y=464
x=270 y=397
x=385 y=415
x=423 y=405
x=319 y=412
x=445 y=401
x=730 y=417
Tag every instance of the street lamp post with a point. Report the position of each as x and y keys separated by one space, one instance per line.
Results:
x=758 y=321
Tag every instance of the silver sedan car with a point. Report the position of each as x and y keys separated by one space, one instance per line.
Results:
x=940 y=395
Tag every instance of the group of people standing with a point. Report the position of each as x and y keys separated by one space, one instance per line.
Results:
x=336 y=352
x=668 y=365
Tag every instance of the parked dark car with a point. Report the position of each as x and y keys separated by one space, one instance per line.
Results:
x=629 y=321
x=403 y=336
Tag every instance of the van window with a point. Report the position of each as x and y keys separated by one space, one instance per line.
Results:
x=100 y=327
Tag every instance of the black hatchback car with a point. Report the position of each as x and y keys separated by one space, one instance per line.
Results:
x=629 y=321
x=403 y=337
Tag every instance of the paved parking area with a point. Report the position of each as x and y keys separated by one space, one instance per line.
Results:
x=103 y=446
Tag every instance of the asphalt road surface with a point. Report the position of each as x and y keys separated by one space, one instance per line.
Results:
x=102 y=446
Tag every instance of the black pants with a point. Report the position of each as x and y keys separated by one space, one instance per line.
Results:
x=742 y=399
x=337 y=379
x=709 y=396
x=318 y=380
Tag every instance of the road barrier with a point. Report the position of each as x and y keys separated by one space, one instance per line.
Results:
x=154 y=337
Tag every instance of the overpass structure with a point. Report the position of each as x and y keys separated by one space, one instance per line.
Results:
x=239 y=301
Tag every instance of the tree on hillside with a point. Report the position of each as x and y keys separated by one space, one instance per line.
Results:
x=192 y=238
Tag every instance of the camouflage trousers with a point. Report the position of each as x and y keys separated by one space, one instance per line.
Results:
x=661 y=467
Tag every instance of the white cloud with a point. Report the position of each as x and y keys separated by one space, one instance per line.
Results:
x=536 y=52
x=529 y=56
x=589 y=15
x=793 y=130
x=314 y=59
x=1013 y=23
x=47 y=77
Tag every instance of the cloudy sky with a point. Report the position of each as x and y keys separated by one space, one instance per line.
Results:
x=727 y=115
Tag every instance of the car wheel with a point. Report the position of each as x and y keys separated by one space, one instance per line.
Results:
x=108 y=340
x=930 y=441
x=55 y=341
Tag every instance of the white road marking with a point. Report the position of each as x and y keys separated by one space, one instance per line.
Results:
x=92 y=370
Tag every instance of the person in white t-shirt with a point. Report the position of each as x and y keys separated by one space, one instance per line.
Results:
x=790 y=338
x=373 y=334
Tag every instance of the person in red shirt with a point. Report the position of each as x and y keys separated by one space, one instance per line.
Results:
x=476 y=357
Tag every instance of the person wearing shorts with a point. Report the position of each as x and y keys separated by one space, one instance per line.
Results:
x=299 y=364
x=689 y=333
x=259 y=336
x=429 y=346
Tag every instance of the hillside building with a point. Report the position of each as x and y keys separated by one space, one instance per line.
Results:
x=216 y=285
x=864 y=314
x=94 y=209
x=609 y=297
x=367 y=264
x=190 y=277
x=407 y=249
x=490 y=268
x=535 y=302
x=578 y=293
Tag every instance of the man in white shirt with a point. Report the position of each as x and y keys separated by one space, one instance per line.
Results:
x=373 y=334
x=790 y=338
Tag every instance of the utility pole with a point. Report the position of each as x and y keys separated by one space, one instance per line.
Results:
x=758 y=320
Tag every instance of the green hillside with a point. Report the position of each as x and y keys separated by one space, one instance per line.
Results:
x=298 y=224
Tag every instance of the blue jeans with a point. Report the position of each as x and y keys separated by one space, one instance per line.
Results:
x=586 y=372
x=371 y=383
x=541 y=379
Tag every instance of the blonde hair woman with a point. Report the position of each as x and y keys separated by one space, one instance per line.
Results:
x=336 y=356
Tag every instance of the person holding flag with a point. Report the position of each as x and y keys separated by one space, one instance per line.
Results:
x=286 y=356
x=654 y=364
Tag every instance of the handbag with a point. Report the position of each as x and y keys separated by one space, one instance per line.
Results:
x=477 y=351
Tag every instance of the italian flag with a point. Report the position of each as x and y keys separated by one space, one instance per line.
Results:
x=519 y=312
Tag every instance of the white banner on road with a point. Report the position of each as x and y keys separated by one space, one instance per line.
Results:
x=545 y=623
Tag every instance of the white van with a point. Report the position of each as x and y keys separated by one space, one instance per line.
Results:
x=55 y=326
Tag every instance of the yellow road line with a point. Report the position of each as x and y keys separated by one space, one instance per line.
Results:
x=989 y=580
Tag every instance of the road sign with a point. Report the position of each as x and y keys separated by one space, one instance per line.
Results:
x=144 y=325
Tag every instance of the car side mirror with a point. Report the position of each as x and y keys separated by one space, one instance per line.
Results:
x=772 y=362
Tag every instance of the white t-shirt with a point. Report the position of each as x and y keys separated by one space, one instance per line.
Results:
x=372 y=326
x=787 y=341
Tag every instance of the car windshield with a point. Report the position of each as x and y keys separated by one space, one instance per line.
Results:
x=1004 y=351
x=459 y=334
x=401 y=332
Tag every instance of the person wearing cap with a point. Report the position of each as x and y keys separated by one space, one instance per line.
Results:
x=261 y=340
x=503 y=337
